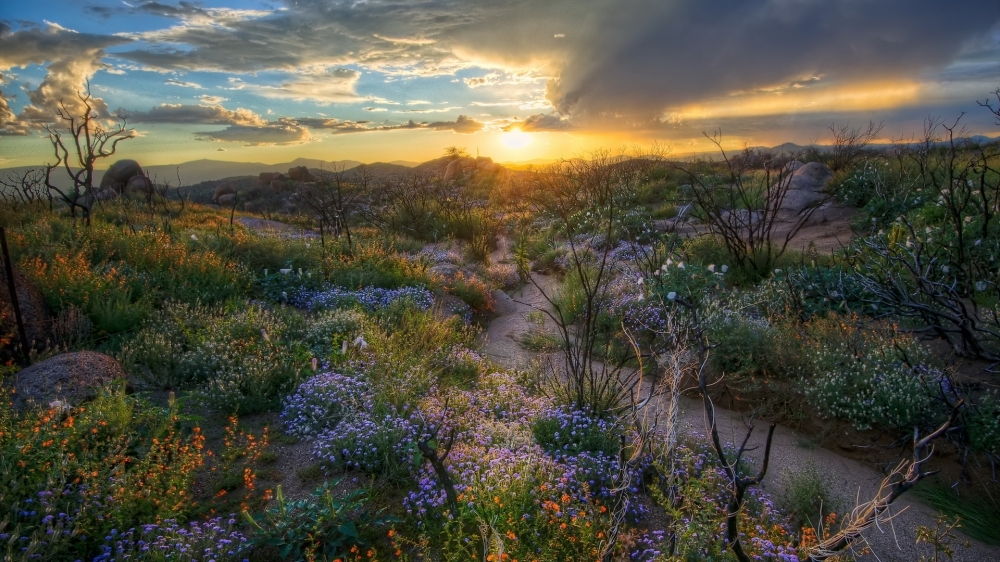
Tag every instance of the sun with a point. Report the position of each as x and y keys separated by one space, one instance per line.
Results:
x=515 y=138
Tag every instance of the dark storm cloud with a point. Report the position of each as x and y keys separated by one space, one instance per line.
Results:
x=680 y=52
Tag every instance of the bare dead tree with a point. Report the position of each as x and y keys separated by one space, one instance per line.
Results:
x=85 y=141
x=988 y=104
x=333 y=200
x=942 y=275
x=743 y=206
x=566 y=192
x=903 y=477
x=25 y=188
x=849 y=143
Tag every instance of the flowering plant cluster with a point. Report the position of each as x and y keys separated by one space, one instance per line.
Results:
x=369 y=298
x=321 y=402
x=700 y=517
x=77 y=473
x=215 y=539
x=873 y=378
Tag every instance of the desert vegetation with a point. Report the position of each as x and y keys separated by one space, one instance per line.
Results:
x=310 y=377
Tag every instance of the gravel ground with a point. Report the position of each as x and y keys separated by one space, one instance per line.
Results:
x=893 y=540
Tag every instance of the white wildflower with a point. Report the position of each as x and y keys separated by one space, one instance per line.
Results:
x=725 y=268
x=711 y=267
x=360 y=342
x=980 y=286
x=286 y=271
x=672 y=295
x=680 y=265
x=193 y=237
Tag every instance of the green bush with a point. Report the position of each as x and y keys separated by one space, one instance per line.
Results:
x=236 y=359
x=806 y=496
x=874 y=379
x=329 y=328
x=324 y=527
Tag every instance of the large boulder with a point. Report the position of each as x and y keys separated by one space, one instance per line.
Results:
x=140 y=184
x=119 y=174
x=70 y=378
x=34 y=313
x=226 y=200
x=300 y=173
x=806 y=187
x=267 y=177
x=224 y=188
x=453 y=171
x=469 y=162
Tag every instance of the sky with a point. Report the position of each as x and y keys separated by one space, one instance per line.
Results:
x=517 y=80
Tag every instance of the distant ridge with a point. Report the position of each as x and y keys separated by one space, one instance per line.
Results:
x=197 y=171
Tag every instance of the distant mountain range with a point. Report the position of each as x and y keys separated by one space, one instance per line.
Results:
x=198 y=171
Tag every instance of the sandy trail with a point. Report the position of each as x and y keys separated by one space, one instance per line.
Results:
x=848 y=480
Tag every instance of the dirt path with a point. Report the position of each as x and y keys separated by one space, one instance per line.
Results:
x=848 y=480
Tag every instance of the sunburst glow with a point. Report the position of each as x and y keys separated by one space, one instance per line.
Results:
x=516 y=139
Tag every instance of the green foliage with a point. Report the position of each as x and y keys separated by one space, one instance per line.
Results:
x=982 y=423
x=115 y=312
x=237 y=359
x=979 y=513
x=806 y=496
x=328 y=328
x=877 y=378
x=324 y=527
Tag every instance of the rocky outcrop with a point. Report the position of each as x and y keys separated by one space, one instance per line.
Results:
x=224 y=188
x=70 y=378
x=805 y=187
x=454 y=171
x=300 y=173
x=268 y=177
x=226 y=200
x=118 y=175
x=140 y=184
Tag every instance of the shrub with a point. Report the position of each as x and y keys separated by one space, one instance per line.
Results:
x=806 y=496
x=873 y=378
x=982 y=424
x=327 y=329
x=234 y=360
x=325 y=526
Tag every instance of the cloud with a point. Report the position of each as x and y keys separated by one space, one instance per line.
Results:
x=464 y=125
x=337 y=126
x=326 y=86
x=490 y=79
x=540 y=122
x=281 y=132
x=9 y=125
x=72 y=58
x=182 y=84
x=196 y=114
x=211 y=100
x=703 y=50
x=375 y=109
x=430 y=110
